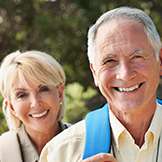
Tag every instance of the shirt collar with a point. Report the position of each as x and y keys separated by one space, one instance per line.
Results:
x=156 y=125
x=153 y=132
x=29 y=151
x=116 y=126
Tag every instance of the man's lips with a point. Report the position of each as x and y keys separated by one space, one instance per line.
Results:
x=128 y=89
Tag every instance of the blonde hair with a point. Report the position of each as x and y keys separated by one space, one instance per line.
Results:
x=36 y=66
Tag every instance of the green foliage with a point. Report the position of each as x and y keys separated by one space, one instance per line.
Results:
x=3 y=125
x=76 y=97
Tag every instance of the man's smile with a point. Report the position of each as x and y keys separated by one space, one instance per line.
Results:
x=128 y=89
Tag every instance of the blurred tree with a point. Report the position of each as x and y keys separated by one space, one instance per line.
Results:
x=55 y=27
x=76 y=97
x=3 y=125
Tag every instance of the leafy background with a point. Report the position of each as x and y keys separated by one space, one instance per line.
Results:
x=59 y=27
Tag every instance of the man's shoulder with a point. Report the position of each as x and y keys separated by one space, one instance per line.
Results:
x=159 y=109
x=66 y=146
x=74 y=132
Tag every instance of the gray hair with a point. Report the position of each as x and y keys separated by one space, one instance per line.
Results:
x=127 y=13
x=38 y=67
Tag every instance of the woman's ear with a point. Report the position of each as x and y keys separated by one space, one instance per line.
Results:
x=8 y=105
x=60 y=89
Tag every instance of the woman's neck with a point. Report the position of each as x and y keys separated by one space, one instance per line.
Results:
x=40 y=138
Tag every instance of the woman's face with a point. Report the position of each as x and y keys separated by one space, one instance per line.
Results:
x=37 y=106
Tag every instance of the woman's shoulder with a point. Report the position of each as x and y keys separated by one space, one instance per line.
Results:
x=8 y=139
x=9 y=145
x=8 y=134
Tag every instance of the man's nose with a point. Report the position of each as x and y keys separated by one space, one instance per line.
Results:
x=125 y=72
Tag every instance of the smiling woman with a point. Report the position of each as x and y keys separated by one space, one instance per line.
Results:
x=32 y=85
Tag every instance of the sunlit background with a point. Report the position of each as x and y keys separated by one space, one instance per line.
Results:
x=59 y=27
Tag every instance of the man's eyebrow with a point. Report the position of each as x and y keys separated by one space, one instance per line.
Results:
x=113 y=55
x=109 y=55
x=137 y=51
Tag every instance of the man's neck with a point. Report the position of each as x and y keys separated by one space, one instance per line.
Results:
x=136 y=122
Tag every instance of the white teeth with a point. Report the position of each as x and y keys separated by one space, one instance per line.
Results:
x=128 y=89
x=38 y=115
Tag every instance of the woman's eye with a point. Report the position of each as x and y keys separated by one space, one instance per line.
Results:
x=43 y=89
x=21 y=95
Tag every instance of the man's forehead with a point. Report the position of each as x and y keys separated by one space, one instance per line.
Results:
x=120 y=34
x=116 y=25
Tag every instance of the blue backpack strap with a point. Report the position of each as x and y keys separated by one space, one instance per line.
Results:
x=98 y=139
x=98 y=132
x=159 y=101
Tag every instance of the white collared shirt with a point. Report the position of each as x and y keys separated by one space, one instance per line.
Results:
x=124 y=145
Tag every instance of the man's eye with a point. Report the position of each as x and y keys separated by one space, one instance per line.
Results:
x=138 y=57
x=44 y=88
x=110 y=62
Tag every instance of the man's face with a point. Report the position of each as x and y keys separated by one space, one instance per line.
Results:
x=125 y=67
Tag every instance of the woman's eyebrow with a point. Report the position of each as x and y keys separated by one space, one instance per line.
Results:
x=19 y=89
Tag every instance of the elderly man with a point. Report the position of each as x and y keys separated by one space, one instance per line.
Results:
x=125 y=55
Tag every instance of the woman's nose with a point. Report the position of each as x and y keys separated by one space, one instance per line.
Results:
x=35 y=101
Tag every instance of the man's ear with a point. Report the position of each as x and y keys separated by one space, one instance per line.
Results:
x=161 y=62
x=94 y=74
